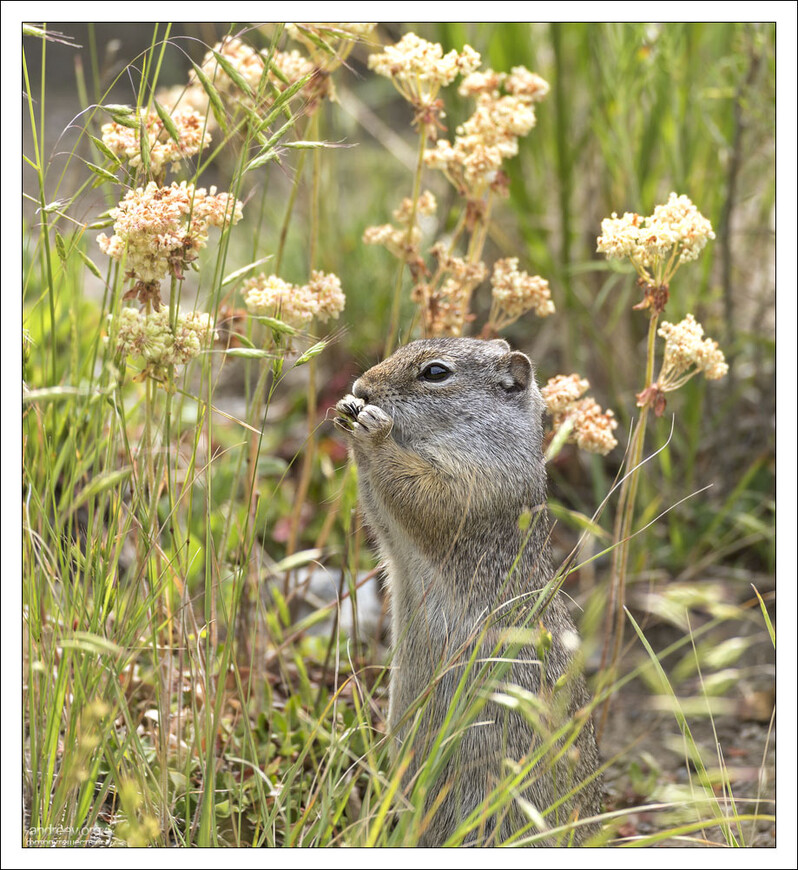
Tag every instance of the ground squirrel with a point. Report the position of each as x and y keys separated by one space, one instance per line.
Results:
x=447 y=438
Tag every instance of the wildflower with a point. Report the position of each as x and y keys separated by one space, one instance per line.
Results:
x=590 y=428
x=294 y=304
x=426 y=205
x=445 y=309
x=329 y=295
x=472 y=163
x=403 y=241
x=272 y=296
x=125 y=142
x=161 y=229
x=687 y=352
x=515 y=293
x=400 y=241
x=419 y=69
x=562 y=391
x=150 y=335
x=657 y=245
x=445 y=302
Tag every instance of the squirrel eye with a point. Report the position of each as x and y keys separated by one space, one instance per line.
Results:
x=434 y=372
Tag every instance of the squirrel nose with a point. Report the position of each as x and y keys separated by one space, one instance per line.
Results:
x=359 y=391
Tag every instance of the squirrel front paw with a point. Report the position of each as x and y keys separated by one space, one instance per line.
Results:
x=364 y=422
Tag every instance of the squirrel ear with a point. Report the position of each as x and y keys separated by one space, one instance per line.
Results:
x=501 y=344
x=518 y=372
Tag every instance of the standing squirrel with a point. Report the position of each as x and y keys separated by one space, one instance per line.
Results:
x=447 y=438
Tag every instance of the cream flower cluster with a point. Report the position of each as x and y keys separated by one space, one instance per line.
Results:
x=403 y=241
x=295 y=305
x=472 y=163
x=161 y=229
x=562 y=391
x=125 y=142
x=516 y=292
x=687 y=352
x=419 y=69
x=149 y=335
x=446 y=303
x=675 y=233
x=591 y=428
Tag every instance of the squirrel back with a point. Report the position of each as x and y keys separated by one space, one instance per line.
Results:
x=447 y=438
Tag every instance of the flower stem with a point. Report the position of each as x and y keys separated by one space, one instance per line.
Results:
x=396 y=307
x=614 y=625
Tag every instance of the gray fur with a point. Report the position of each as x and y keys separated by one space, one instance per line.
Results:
x=445 y=469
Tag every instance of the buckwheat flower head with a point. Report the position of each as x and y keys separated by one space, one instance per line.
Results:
x=426 y=205
x=686 y=223
x=447 y=314
x=562 y=391
x=330 y=296
x=524 y=83
x=657 y=245
x=271 y=296
x=149 y=335
x=688 y=352
x=419 y=69
x=481 y=82
x=161 y=229
x=518 y=292
x=395 y=239
x=473 y=161
x=125 y=142
x=620 y=237
x=590 y=428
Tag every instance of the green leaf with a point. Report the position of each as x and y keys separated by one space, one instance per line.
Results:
x=101 y=173
x=580 y=520
x=144 y=145
x=90 y=264
x=104 y=149
x=266 y=156
x=312 y=351
x=240 y=82
x=60 y=247
x=284 y=97
x=301 y=145
x=275 y=324
x=239 y=273
x=124 y=115
x=213 y=95
x=297 y=560
x=99 y=484
x=768 y=623
x=166 y=120
x=249 y=352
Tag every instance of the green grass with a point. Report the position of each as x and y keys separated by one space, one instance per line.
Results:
x=174 y=691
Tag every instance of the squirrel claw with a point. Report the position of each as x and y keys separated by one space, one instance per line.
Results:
x=349 y=407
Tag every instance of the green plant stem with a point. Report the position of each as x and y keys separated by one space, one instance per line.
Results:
x=614 y=625
x=396 y=306
x=310 y=444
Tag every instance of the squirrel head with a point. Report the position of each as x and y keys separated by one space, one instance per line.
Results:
x=458 y=396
